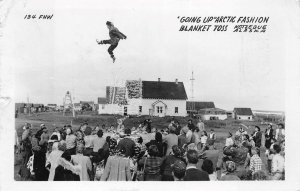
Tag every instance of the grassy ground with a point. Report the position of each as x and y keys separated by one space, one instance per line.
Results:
x=56 y=119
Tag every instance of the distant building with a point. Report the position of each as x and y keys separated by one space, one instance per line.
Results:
x=193 y=107
x=155 y=98
x=212 y=114
x=102 y=101
x=243 y=114
x=77 y=106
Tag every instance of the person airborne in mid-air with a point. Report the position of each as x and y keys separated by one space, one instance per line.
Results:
x=115 y=36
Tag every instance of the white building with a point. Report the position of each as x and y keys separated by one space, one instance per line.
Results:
x=212 y=114
x=243 y=114
x=156 y=98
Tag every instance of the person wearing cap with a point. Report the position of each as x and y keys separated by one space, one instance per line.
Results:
x=84 y=162
x=168 y=161
x=115 y=36
x=178 y=170
x=25 y=149
x=192 y=173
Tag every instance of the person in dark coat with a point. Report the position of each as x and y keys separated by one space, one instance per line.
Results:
x=269 y=136
x=257 y=137
x=158 y=142
x=192 y=173
x=66 y=171
x=115 y=36
x=127 y=143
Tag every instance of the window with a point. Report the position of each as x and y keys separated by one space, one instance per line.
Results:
x=176 y=109
x=140 y=109
x=159 y=109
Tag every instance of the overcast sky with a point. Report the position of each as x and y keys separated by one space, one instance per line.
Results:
x=50 y=57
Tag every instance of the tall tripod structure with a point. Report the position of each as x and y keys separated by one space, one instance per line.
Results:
x=68 y=103
x=192 y=90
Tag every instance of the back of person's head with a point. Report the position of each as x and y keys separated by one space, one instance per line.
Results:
x=259 y=175
x=100 y=133
x=158 y=137
x=178 y=169
x=153 y=151
x=247 y=137
x=121 y=151
x=62 y=146
x=79 y=148
x=176 y=151
x=205 y=133
x=208 y=166
x=257 y=127
x=88 y=131
x=107 y=139
x=66 y=156
x=127 y=131
x=230 y=166
x=192 y=156
x=172 y=130
x=140 y=140
x=277 y=148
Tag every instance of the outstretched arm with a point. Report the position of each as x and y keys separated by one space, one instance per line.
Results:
x=119 y=34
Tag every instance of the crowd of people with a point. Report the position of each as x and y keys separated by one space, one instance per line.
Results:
x=176 y=153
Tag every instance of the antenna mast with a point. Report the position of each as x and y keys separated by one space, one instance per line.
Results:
x=192 y=90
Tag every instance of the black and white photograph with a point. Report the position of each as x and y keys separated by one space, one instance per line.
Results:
x=140 y=90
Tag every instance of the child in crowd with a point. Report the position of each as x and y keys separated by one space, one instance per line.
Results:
x=203 y=139
x=229 y=140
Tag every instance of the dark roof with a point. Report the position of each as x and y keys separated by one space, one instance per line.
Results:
x=89 y=102
x=197 y=105
x=163 y=90
x=102 y=100
x=243 y=111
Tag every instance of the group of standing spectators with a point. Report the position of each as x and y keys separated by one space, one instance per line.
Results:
x=175 y=153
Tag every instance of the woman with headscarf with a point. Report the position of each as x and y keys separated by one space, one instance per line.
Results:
x=84 y=162
x=230 y=172
x=117 y=167
x=52 y=160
